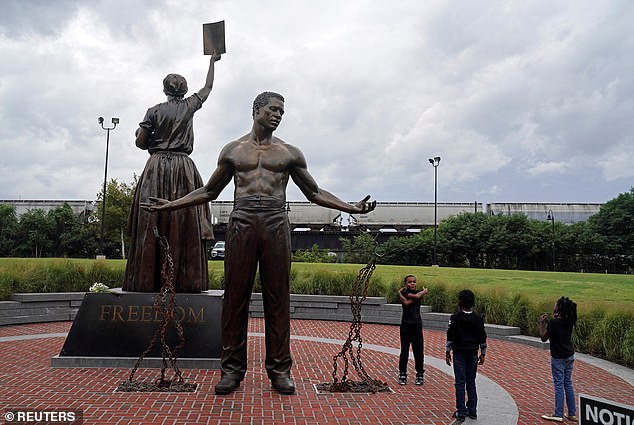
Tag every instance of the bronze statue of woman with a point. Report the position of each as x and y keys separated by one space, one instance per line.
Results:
x=167 y=134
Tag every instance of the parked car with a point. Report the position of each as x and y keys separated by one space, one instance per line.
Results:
x=218 y=251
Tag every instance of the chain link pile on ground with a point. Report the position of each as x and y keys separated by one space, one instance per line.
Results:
x=347 y=354
x=165 y=302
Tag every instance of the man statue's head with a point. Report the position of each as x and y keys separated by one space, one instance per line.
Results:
x=263 y=99
x=174 y=85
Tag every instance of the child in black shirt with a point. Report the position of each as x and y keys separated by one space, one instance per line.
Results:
x=411 y=330
x=465 y=335
x=559 y=331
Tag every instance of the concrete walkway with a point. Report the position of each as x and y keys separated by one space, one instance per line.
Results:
x=495 y=405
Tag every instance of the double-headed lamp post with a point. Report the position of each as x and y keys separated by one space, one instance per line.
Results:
x=434 y=162
x=115 y=121
x=551 y=217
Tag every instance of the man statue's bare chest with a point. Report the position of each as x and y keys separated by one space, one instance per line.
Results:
x=272 y=158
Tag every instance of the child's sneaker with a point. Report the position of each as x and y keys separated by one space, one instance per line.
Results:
x=402 y=379
x=419 y=379
x=553 y=418
x=571 y=417
x=458 y=418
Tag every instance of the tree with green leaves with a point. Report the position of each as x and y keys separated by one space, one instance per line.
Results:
x=313 y=255
x=462 y=240
x=33 y=235
x=119 y=198
x=615 y=222
x=359 y=250
x=8 y=229
x=70 y=236
x=414 y=250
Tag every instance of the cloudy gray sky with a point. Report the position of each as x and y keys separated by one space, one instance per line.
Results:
x=524 y=101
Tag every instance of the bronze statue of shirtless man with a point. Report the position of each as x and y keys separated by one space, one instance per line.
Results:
x=258 y=232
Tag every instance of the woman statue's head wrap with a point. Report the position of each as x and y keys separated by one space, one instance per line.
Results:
x=175 y=85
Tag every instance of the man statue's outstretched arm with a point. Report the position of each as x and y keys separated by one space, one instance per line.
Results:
x=307 y=184
x=210 y=191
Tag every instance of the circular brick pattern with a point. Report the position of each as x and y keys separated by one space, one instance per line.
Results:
x=29 y=381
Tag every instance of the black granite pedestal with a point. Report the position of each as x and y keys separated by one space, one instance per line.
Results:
x=114 y=329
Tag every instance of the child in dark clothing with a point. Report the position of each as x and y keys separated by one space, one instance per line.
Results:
x=411 y=329
x=465 y=335
x=559 y=331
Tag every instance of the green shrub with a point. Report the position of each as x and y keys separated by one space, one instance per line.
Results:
x=628 y=346
x=100 y=272
x=438 y=298
x=257 y=284
x=494 y=308
x=584 y=338
x=216 y=279
x=532 y=319
x=6 y=286
x=611 y=332
x=482 y=301
x=497 y=310
x=328 y=283
x=350 y=285
x=518 y=314
x=451 y=304
x=62 y=276
x=293 y=275
x=595 y=344
x=55 y=277
x=313 y=255
x=377 y=287
x=301 y=286
x=390 y=292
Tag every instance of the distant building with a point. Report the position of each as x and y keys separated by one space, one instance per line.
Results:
x=561 y=212
x=23 y=206
x=388 y=216
x=412 y=216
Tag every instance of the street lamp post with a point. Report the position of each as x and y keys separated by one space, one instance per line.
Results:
x=115 y=121
x=551 y=217
x=434 y=162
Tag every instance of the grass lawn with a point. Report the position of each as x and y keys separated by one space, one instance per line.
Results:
x=612 y=292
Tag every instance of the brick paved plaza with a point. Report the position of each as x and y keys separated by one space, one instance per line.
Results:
x=514 y=385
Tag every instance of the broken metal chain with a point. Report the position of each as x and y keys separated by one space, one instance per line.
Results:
x=347 y=354
x=165 y=303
